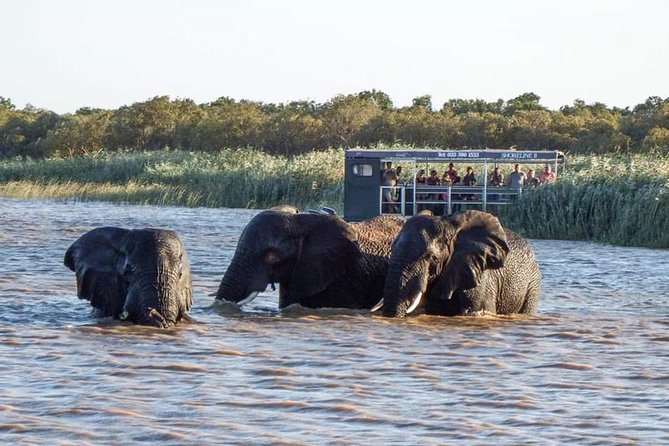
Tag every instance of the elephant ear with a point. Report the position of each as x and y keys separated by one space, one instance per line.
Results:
x=98 y=259
x=327 y=244
x=478 y=243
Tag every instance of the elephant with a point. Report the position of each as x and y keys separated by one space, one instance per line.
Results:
x=139 y=275
x=462 y=264
x=318 y=260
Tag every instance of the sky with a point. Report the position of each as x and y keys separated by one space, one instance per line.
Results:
x=67 y=54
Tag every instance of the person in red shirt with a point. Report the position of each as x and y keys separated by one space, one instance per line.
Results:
x=547 y=176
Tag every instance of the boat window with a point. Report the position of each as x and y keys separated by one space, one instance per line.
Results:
x=362 y=170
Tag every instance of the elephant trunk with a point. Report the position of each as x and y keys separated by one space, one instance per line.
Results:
x=237 y=284
x=153 y=300
x=403 y=291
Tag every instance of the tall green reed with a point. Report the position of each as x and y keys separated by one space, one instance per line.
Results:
x=617 y=199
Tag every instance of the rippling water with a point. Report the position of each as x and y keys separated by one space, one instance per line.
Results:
x=591 y=368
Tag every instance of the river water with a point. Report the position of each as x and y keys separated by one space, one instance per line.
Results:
x=591 y=368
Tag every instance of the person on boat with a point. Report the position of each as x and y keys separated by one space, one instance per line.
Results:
x=449 y=175
x=421 y=180
x=547 y=176
x=517 y=178
x=389 y=181
x=469 y=180
x=433 y=180
x=531 y=181
x=421 y=177
x=496 y=178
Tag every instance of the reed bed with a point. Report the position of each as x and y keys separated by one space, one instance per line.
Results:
x=229 y=178
x=617 y=199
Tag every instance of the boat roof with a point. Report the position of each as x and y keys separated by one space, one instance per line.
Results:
x=485 y=155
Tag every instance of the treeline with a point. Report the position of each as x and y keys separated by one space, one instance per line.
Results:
x=365 y=119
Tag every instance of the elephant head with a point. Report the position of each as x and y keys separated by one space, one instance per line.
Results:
x=142 y=275
x=435 y=257
x=303 y=253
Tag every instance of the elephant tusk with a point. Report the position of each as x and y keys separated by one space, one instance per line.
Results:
x=378 y=306
x=124 y=315
x=415 y=302
x=250 y=297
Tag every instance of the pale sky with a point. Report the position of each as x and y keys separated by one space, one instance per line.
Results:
x=66 y=54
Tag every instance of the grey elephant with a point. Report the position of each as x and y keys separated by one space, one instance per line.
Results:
x=318 y=261
x=142 y=275
x=463 y=264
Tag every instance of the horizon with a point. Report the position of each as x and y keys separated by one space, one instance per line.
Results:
x=63 y=56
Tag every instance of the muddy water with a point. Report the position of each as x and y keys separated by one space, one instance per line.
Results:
x=591 y=368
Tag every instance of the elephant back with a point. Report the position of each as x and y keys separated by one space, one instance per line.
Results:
x=376 y=235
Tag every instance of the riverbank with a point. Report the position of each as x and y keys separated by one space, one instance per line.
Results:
x=616 y=199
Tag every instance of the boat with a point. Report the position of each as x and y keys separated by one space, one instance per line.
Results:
x=365 y=196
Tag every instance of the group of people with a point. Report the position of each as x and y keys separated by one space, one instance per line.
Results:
x=450 y=177
x=517 y=180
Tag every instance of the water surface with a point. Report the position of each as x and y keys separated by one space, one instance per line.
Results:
x=591 y=368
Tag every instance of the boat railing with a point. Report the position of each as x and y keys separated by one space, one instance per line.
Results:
x=404 y=200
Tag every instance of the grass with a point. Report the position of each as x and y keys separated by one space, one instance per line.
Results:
x=617 y=199
x=230 y=178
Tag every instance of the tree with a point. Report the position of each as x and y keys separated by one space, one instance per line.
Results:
x=227 y=123
x=462 y=106
x=6 y=104
x=378 y=98
x=344 y=117
x=424 y=101
x=83 y=132
x=657 y=139
x=524 y=102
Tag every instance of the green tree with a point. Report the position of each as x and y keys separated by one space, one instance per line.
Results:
x=228 y=123
x=657 y=139
x=462 y=106
x=530 y=129
x=344 y=117
x=294 y=129
x=378 y=98
x=424 y=101
x=83 y=132
x=524 y=102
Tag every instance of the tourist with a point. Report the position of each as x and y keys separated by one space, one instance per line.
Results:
x=469 y=180
x=451 y=173
x=388 y=181
x=517 y=179
x=421 y=179
x=496 y=178
x=547 y=176
x=433 y=179
x=531 y=181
